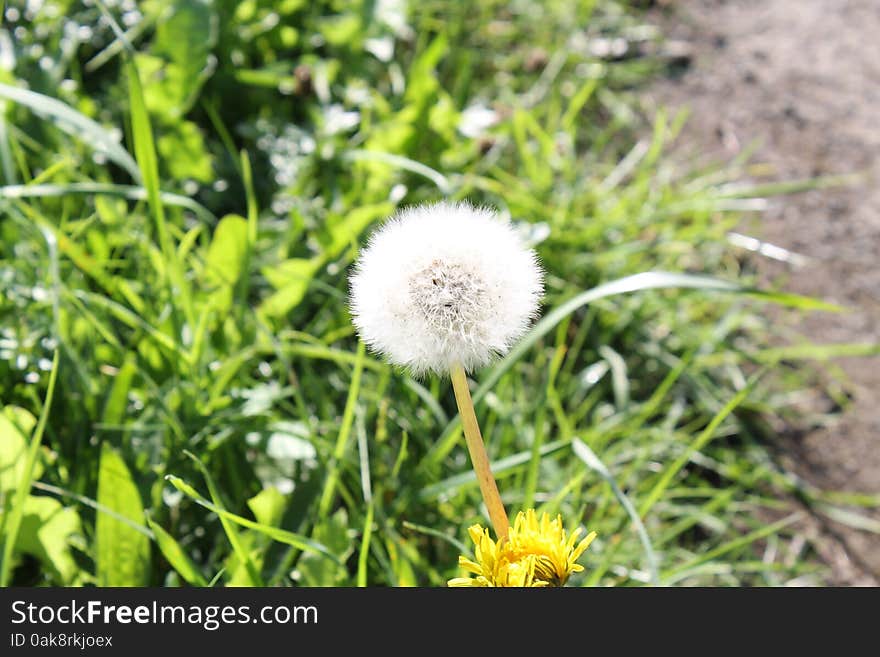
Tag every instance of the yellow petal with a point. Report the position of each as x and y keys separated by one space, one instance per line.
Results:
x=461 y=581
x=470 y=566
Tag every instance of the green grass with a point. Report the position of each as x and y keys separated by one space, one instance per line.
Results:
x=178 y=216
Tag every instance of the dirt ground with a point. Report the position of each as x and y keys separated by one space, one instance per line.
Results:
x=802 y=79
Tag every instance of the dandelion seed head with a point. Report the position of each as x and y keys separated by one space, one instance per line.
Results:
x=444 y=283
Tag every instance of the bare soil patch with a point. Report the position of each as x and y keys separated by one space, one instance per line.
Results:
x=801 y=78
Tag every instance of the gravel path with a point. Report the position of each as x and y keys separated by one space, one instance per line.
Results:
x=802 y=79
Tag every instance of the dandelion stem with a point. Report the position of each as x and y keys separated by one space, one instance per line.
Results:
x=477 y=450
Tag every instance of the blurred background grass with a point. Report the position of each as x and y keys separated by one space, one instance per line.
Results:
x=184 y=186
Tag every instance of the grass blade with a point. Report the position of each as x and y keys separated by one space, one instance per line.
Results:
x=75 y=124
x=145 y=153
x=680 y=571
x=401 y=162
x=82 y=499
x=499 y=467
x=281 y=535
x=344 y=433
x=125 y=191
x=699 y=442
x=588 y=456
x=365 y=547
x=231 y=532
x=638 y=282
x=176 y=556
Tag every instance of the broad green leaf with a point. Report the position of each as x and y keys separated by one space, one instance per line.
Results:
x=46 y=528
x=159 y=100
x=225 y=259
x=268 y=506
x=332 y=532
x=422 y=79
x=342 y=30
x=289 y=272
x=16 y=424
x=10 y=523
x=241 y=564
x=185 y=41
x=291 y=278
x=346 y=231
x=182 y=147
x=122 y=554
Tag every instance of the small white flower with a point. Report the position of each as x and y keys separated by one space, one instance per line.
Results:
x=476 y=119
x=443 y=284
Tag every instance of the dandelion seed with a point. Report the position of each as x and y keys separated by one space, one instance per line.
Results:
x=444 y=284
x=537 y=552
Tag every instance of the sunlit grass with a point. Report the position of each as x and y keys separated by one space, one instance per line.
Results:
x=204 y=338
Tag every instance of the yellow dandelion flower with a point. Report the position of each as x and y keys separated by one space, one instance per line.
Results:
x=537 y=552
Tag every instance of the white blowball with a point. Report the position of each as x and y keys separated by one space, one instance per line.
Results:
x=442 y=284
